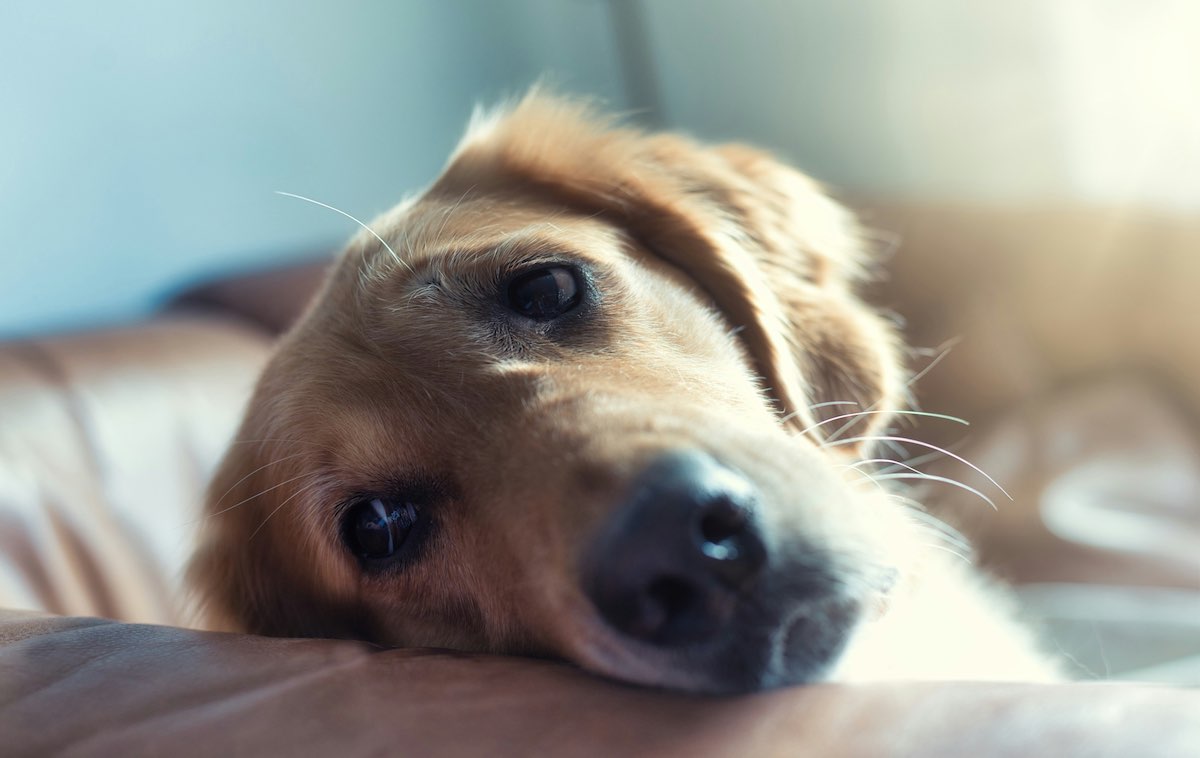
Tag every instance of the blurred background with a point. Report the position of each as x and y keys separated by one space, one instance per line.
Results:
x=142 y=141
x=1031 y=170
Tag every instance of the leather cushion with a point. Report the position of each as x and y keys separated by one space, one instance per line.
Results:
x=107 y=441
x=96 y=687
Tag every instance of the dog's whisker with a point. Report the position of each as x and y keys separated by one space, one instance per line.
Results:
x=829 y=403
x=255 y=471
x=949 y=550
x=919 y=443
x=941 y=479
x=907 y=501
x=854 y=419
x=279 y=507
x=908 y=462
x=943 y=530
x=895 y=464
x=856 y=414
x=914 y=507
x=943 y=351
x=863 y=475
x=945 y=539
x=917 y=510
x=399 y=261
x=812 y=407
x=933 y=522
x=256 y=495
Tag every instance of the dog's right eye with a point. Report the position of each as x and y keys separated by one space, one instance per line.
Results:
x=545 y=293
x=377 y=528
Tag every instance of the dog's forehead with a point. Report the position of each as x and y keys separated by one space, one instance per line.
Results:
x=442 y=230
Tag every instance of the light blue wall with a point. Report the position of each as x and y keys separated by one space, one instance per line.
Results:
x=141 y=140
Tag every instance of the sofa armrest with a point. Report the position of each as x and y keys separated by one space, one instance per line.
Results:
x=92 y=686
x=271 y=299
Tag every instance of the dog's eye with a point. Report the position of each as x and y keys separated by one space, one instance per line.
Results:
x=545 y=293
x=377 y=528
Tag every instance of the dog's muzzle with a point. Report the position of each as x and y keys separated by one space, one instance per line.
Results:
x=685 y=571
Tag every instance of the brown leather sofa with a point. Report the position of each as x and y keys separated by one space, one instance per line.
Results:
x=1078 y=365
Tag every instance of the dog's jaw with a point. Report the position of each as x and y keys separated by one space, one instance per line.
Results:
x=799 y=648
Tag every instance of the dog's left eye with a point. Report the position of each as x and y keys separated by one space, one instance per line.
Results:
x=545 y=293
x=377 y=528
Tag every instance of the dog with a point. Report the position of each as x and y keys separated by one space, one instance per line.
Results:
x=600 y=396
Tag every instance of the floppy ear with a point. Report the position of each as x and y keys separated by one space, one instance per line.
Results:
x=816 y=256
x=777 y=256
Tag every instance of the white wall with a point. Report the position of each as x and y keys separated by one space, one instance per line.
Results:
x=141 y=140
x=1014 y=101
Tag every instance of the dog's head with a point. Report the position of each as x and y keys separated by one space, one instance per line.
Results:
x=572 y=408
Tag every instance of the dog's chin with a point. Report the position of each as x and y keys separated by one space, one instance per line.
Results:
x=758 y=651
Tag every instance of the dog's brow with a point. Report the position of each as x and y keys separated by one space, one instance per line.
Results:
x=515 y=247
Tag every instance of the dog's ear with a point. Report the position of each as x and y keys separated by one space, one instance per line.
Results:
x=816 y=256
x=777 y=256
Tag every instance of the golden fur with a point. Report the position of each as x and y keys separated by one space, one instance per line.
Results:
x=727 y=321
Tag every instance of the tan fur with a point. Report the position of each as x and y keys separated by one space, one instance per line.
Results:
x=728 y=311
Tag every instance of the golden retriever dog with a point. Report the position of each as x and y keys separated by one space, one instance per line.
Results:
x=586 y=398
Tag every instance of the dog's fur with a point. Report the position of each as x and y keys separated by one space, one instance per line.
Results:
x=725 y=320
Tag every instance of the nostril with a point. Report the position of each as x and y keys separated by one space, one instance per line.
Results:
x=725 y=534
x=667 y=610
x=721 y=520
x=672 y=596
x=722 y=530
x=673 y=612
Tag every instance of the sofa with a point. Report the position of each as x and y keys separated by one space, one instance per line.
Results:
x=1066 y=336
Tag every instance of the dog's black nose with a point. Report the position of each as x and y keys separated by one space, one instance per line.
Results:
x=670 y=566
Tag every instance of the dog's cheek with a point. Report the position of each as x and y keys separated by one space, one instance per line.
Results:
x=263 y=587
x=526 y=560
x=261 y=566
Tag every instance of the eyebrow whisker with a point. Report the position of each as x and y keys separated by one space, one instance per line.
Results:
x=400 y=261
